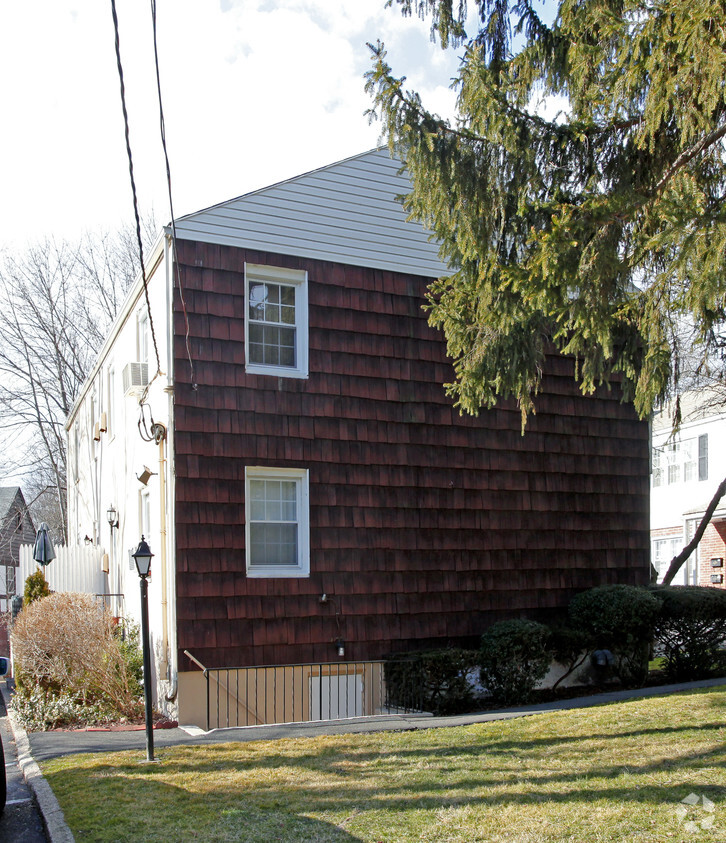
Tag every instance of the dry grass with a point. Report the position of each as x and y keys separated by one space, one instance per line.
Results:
x=612 y=773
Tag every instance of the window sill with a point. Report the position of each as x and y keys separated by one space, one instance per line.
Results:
x=275 y=371
x=277 y=573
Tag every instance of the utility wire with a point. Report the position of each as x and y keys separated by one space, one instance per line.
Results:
x=133 y=183
x=175 y=257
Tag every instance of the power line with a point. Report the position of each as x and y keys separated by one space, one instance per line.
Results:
x=133 y=182
x=162 y=127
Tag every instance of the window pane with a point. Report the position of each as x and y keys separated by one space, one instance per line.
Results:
x=273 y=544
x=272 y=346
x=257 y=300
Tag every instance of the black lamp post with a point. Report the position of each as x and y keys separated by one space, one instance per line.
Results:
x=142 y=557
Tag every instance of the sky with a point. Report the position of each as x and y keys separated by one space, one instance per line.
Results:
x=253 y=91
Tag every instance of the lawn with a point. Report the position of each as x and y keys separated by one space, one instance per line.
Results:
x=611 y=773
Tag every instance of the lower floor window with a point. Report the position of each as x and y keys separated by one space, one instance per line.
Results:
x=277 y=531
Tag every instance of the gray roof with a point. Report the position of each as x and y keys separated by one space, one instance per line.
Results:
x=8 y=495
x=349 y=212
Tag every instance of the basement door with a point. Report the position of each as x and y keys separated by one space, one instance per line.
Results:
x=336 y=697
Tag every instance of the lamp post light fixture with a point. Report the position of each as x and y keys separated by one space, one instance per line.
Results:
x=142 y=558
x=112 y=516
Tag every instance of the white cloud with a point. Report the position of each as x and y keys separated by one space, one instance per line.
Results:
x=254 y=91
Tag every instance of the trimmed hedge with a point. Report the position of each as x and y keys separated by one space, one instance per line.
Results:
x=432 y=680
x=691 y=628
x=514 y=656
x=619 y=618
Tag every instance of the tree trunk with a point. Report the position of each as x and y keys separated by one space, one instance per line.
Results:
x=678 y=561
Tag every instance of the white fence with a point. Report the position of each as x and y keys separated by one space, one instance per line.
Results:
x=73 y=569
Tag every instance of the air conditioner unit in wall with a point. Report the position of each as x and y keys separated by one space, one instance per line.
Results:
x=135 y=378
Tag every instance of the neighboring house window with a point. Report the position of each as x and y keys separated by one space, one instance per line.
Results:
x=703 y=457
x=276 y=524
x=10 y=580
x=683 y=461
x=663 y=552
x=276 y=321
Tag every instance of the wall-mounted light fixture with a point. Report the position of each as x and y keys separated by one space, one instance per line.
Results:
x=112 y=516
x=338 y=641
x=87 y=539
x=145 y=475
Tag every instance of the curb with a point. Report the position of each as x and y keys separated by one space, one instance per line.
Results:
x=51 y=812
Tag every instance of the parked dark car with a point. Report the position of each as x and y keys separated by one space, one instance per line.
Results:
x=4 y=667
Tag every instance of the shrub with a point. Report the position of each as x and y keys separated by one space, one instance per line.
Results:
x=39 y=710
x=691 y=627
x=514 y=656
x=570 y=648
x=434 y=680
x=619 y=618
x=36 y=587
x=66 y=648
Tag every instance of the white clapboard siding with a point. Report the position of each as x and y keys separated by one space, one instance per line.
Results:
x=75 y=569
x=348 y=212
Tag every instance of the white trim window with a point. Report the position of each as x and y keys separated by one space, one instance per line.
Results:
x=142 y=335
x=111 y=403
x=276 y=321
x=681 y=462
x=277 y=531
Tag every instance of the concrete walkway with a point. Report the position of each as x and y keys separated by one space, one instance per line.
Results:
x=39 y=746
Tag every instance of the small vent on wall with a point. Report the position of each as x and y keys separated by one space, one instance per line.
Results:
x=135 y=378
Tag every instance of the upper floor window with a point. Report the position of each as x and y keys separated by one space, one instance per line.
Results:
x=276 y=321
x=681 y=462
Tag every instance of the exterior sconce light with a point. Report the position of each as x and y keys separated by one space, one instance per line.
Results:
x=112 y=516
x=87 y=539
x=340 y=647
x=142 y=558
x=145 y=476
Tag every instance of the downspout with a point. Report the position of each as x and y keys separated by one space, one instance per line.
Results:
x=160 y=436
x=169 y=607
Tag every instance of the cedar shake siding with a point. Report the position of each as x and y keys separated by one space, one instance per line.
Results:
x=425 y=526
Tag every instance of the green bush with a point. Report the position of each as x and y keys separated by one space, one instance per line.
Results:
x=514 y=656
x=36 y=587
x=432 y=680
x=570 y=648
x=39 y=710
x=619 y=618
x=690 y=628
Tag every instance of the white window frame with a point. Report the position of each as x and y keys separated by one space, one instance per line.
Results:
x=111 y=403
x=142 y=335
x=10 y=580
x=298 y=279
x=300 y=476
x=677 y=462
